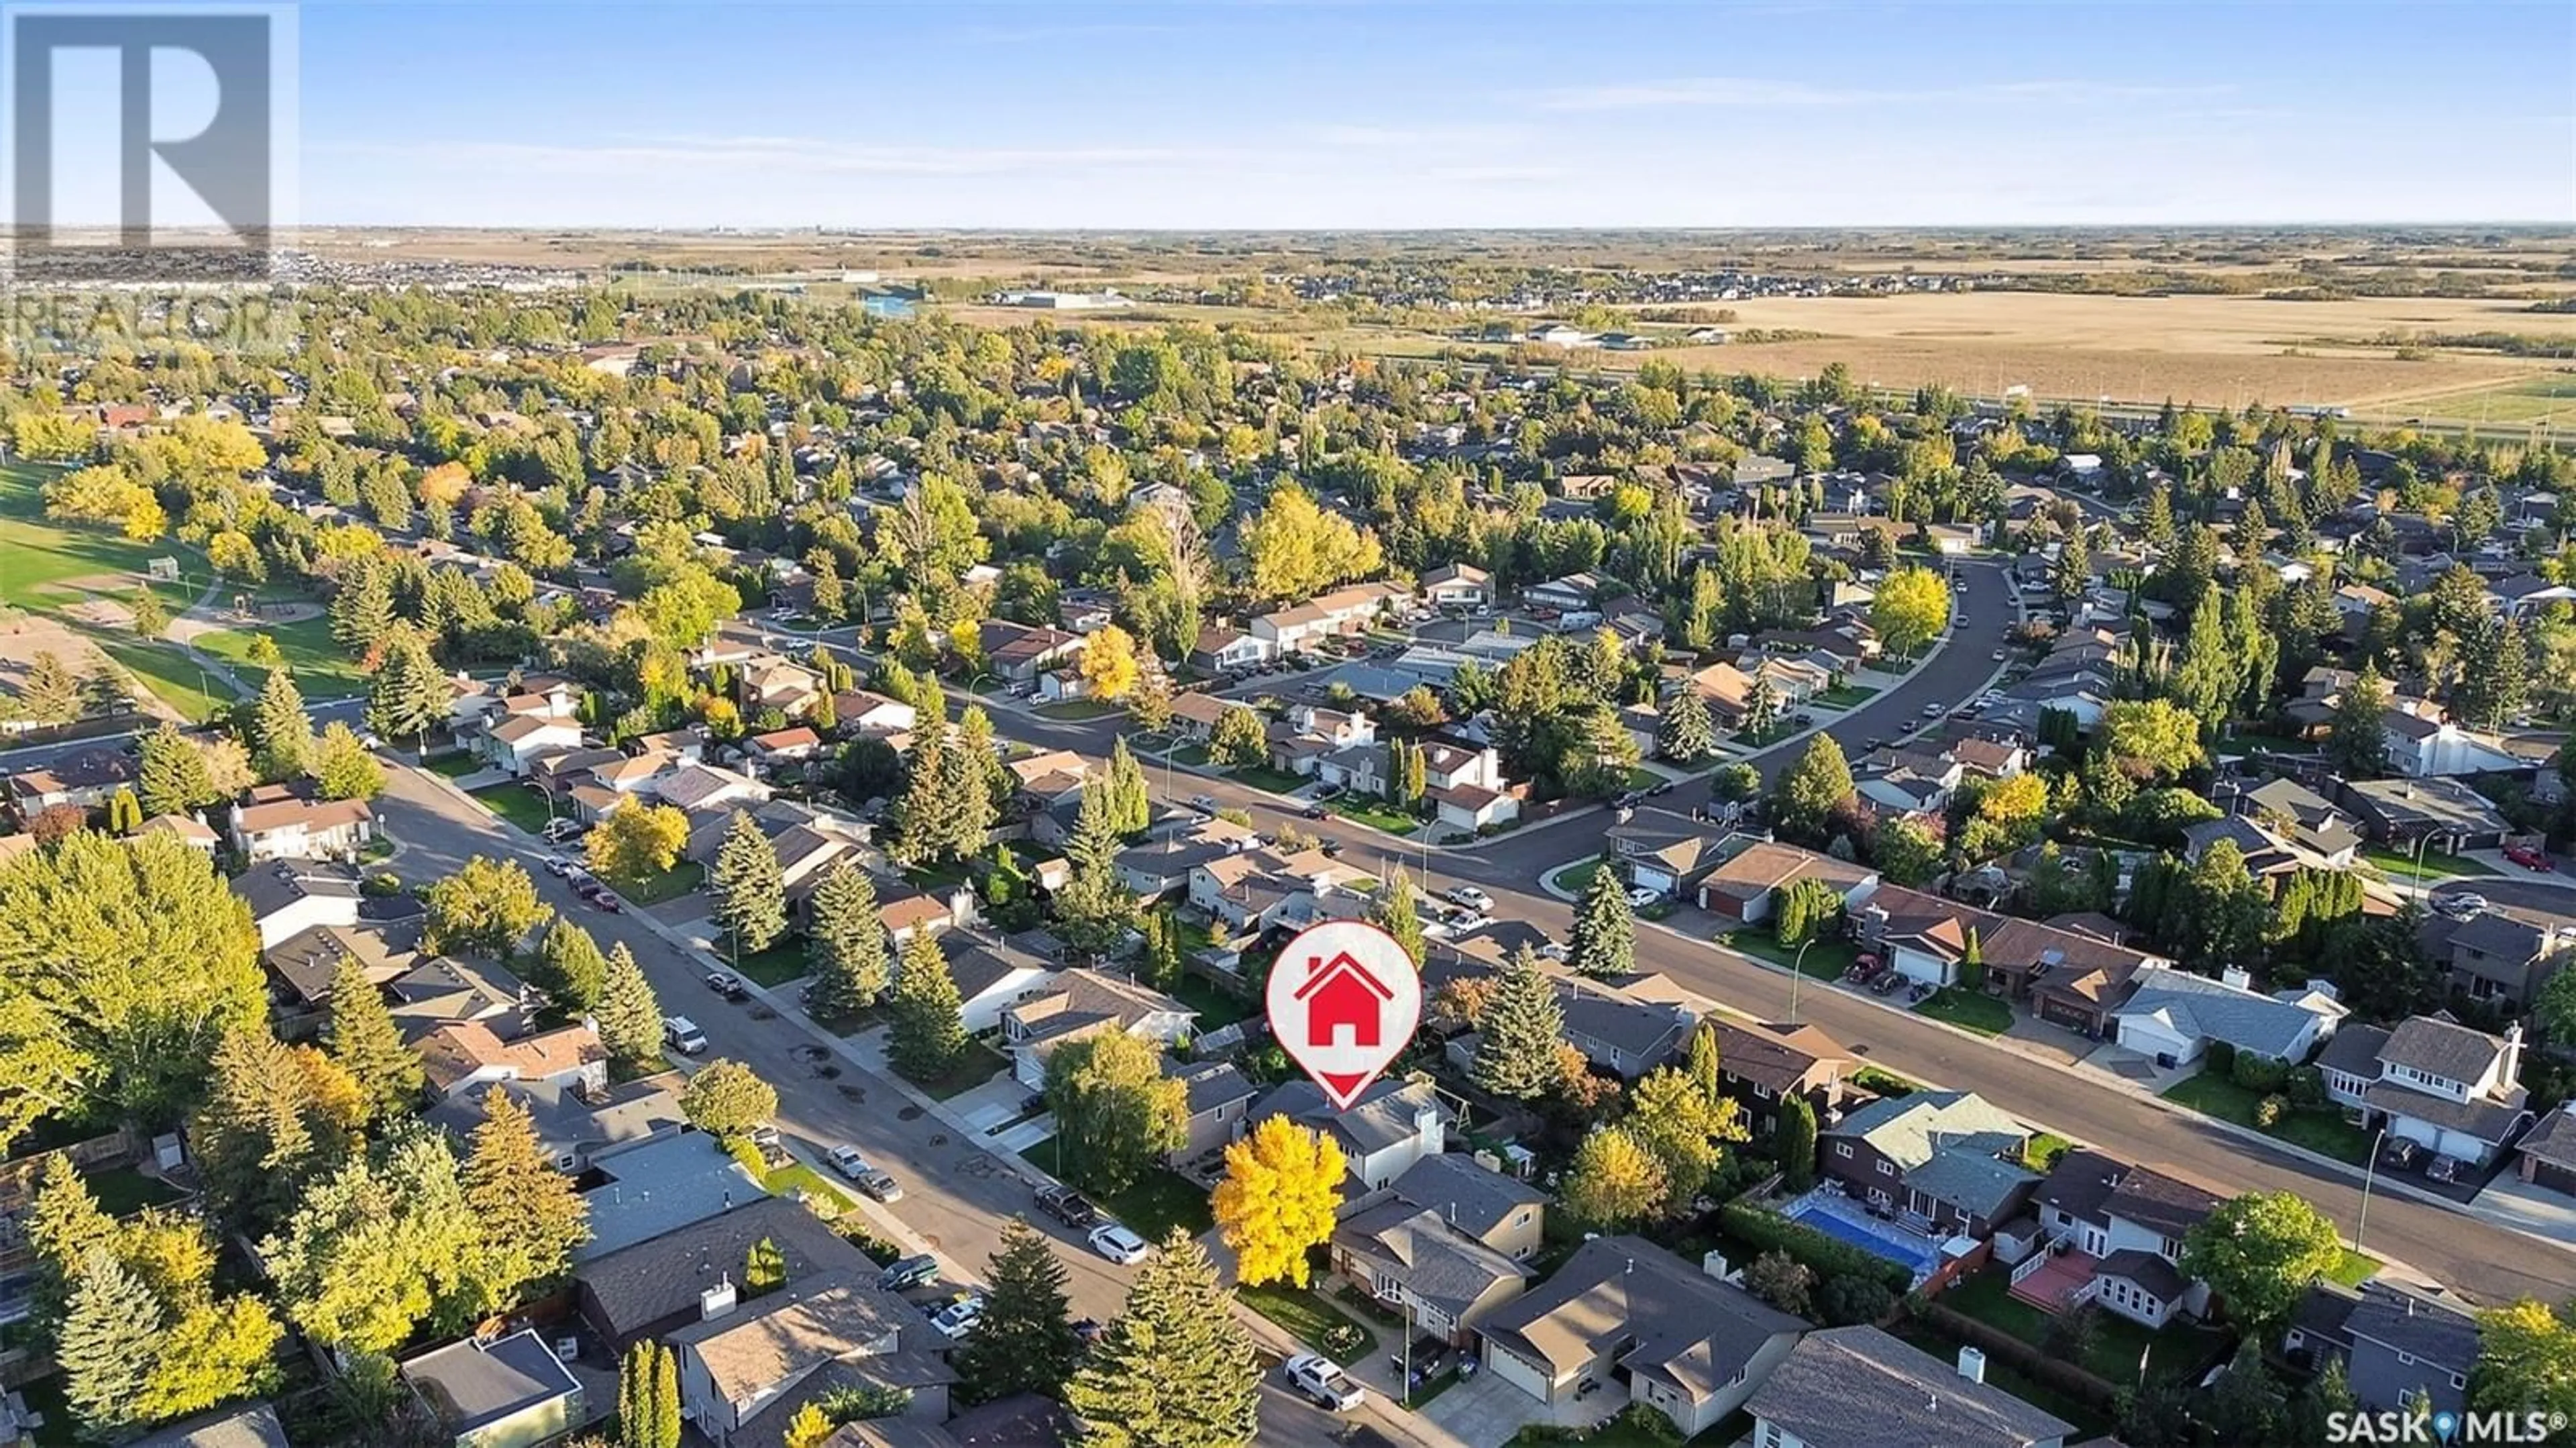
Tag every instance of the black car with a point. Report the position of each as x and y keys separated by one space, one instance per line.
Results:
x=915 y=1271
x=1316 y=812
x=1069 y=1207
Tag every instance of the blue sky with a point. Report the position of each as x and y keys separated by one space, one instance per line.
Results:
x=1428 y=115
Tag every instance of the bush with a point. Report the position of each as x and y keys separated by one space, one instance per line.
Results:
x=2257 y=1073
x=853 y=1229
x=2308 y=1086
x=383 y=884
x=1763 y=1230
x=2220 y=1060
x=2269 y=1111
x=1851 y=1301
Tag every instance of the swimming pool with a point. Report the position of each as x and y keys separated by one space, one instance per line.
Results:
x=1917 y=1259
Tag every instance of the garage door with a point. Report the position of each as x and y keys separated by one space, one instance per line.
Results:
x=1527 y=1376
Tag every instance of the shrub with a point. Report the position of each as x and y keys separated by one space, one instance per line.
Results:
x=2257 y=1073
x=2269 y=1111
x=2220 y=1059
x=1766 y=1231
x=2308 y=1086
x=1849 y=1301
x=383 y=884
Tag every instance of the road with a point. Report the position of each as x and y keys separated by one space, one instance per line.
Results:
x=957 y=1195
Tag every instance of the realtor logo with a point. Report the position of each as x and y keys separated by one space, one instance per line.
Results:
x=147 y=147
x=1344 y=1001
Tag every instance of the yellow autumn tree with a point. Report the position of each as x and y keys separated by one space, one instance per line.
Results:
x=1282 y=1185
x=809 y=1427
x=1109 y=664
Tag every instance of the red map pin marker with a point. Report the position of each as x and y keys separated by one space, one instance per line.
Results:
x=1344 y=1002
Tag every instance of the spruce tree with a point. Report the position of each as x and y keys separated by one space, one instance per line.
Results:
x=1517 y=1045
x=531 y=1216
x=1095 y=908
x=570 y=969
x=1392 y=910
x=750 y=898
x=151 y=616
x=926 y=1027
x=1176 y=1370
x=408 y=694
x=968 y=800
x=629 y=1019
x=172 y=777
x=1605 y=928
x=362 y=612
x=1686 y=735
x=281 y=735
x=110 y=1340
x=1025 y=1342
x=366 y=1043
x=635 y=1396
x=66 y=1225
x=926 y=815
x=254 y=1137
x=2356 y=744
x=847 y=945
x=50 y=694
x=106 y=691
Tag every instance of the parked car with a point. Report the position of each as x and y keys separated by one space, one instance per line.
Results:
x=765 y=1136
x=2530 y=858
x=1319 y=1378
x=1204 y=804
x=876 y=1181
x=559 y=830
x=919 y=1270
x=1639 y=897
x=1069 y=1207
x=959 y=1317
x=683 y=1035
x=559 y=867
x=1119 y=1245
x=2000 y=656
x=603 y=900
x=1316 y=812
x=1473 y=898
x=727 y=984
x=1933 y=710
x=2462 y=905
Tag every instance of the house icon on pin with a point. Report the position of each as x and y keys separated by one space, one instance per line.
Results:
x=1340 y=993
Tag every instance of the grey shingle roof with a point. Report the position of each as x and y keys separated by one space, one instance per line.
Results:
x=1903 y=1128
x=1477 y=1200
x=2553 y=1140
x=2415 y=1325
x=2146 y=1269
x=1969 y=1179
x=255 y=1426
x=2442 y=1048
x=473 y=1385
x=2198 y=1006
x=1680 y=1324
x=2354 y=1050
x=638 y=1286
x=1442 y=1266
x=2484 y=1118
x=1857 y=1387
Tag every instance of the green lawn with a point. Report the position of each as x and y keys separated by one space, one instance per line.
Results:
x=518 y=803
x=1969 y=1010
x=313 y=658
x=2323 y=1131
x=1826 y=959
x=1153 y=1204
x=2116 y=1349
x=1780 y=729
x=683 y=877
x=42 y=555
x=2400 y=864
x=1375 y=813
x=1262 y=776
x=121 y=1190
x=797 y=1177
x=1216 y=1006
x=2354 y=1268
x=1640 y=777
x=2044 y=1149
x=1079 y=709
x=977 y=1064
x=1884 y=1082
x=456 y=764
x=1578 y=878
x=1311 y=1320
x=782 y=962
x=169 y=674
x=1844 y=696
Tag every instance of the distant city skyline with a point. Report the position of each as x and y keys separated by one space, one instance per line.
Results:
x=1180 y=116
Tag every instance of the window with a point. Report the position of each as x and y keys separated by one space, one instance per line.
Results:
x=1842 y=1148
x=1886 y=1170
x=2459 y=1380
x=2406 y=1359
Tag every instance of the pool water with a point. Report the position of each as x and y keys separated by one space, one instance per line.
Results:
x=1921 y=1262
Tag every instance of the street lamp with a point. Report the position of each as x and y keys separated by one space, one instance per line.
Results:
x=2420 y=842
x=1797 y=970
x=2369 y=1171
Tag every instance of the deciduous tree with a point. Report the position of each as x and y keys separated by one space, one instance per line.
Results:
x=727 y=1099
x=379 y=1246
x=1615 y=1181
x=1808 y=793
x=1276 y=1205
x=1685 y=1129
x=2258 y=1252
x=2526 y=1362
x=342 y=767
x=1115 y=1110
x=1392 y=910
x=635 y=841
x=486 y=907
x=1240 y=740
x=1910 y=609
x=1109 y=664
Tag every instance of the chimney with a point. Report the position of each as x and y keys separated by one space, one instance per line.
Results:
x=1972 y=1364
x=2509 y=1071
x=2237 y=976
x=716 y=1301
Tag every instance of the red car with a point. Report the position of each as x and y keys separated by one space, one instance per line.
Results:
x=2530 y=859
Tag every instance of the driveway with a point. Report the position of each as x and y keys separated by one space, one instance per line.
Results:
x=1486 y=1409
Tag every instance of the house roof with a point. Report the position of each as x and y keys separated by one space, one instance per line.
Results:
x=2195 y=1006
x=1969 y=1179
x=2553 y=1140
x=1664 y=1318
x=310 y=815
x=1438 y=1263
x=308 y=959
x=798 y=737
x=187 y=827
x=663 y=1186
x=252 y=1426
x=456 y=1051
x=2426 y=1330
x=1775 y=1055
x=2485 y=1118
x=282 y=884
x=766 y=1342
x=1640 y=1032
x=659 y=1278
x=520 y=728
x=1857 y=1387
x=1384 y=1115
x=2442 y=1048
x=472 y=1385
x=2354 y=1051
x=1084 y=999
x=692 y=785
x=2150 y=1271
x=1908 y=1130
x=565 y=1119
x=1477 y=1201
x=1765 y=865
x=1674 y=841
x=1210 y=1085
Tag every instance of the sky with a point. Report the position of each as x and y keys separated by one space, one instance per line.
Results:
x=1221 y=116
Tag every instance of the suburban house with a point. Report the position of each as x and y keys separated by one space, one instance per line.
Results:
x=2305 y=819
x=1623 y=1310
x=1392 y=1125
x=440 y=991
x=288 y=898
x=305 y=964
x=994 y=974
x=2502 y=955
x=1216 y=1098
x=1665 y=852
x=251 y=1425
x=1574 y=593
x=903 y=910
x=1223 y=650
x=2071 y=978
x=693 y=788
x=790 y=688
x=664 y=1185
x=575 y=1126
x=1408 y=1256
x=783 y=746
x=2453 y=1091
x=1457 y=585
x=1858 y=1387
x=1343 y=611
x=464 y=1056
x=190 y=831
x=1178 y=844
x=2402 y=1351
x=651 y=1287
x=1943 y=1161
x=88 y=779
x=1908 y=781
x=506 y=1393
x=1195 y=715
x=1763 y=1064
x=2423 y=743
x=2111 y=1234
x=1081 y=1004
x=289 y=827
x=1751 y=873
x=2547 y=1153
x=1618 y=1033
x=1921 y=937
x=868 y=715
x=747 y=1366
x=514 y=743
x=2173 y=1015
x=2437 y=813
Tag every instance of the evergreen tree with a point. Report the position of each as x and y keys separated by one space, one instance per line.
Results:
x=927 y=816
x=1703 y=1062
x=1161 y=966
x=1132 y=802
x=1392 y=910
x=2356 y=744
x=124 y=813
x=531 y=1216
x=1795 y=1141
x=764 y=1268
x=1517 y=1053
x=569 y=968
x=750 y=898
x=1025 y=1342
x=281 y=735
x=258 y=1137
x=1095 y=908
x=107 y=691
x=110 y=1340
x=925 y=1027
x=408 y=694
x=970 y=813
x=362 y=612
x=2495 y=674
x=172 y=777
x=367 y=1044
x=50 y=694
x=847 y=944
x=629 y=1018
x=1605 y=928
x=666 y=1399
x=65 y=1226
x=1176 y=1370
x=1686 y=735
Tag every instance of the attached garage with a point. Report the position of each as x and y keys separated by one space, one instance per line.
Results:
x=1528 y=1376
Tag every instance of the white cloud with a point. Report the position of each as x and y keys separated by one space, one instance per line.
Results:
x=1748 y=93
x=783 y=156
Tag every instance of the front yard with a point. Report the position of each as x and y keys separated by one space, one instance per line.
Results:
x=683 y=877
x=1375 y=813
x=1844 y=696
x=1826 y=959
x=518 y=803
x=2400 y=864
x=1262 y=776
x=2321 y=1130
x=1969 y=1010
x=1153 y=1204
x=977 y=1064
x=1311 y=1320
x=782 y=962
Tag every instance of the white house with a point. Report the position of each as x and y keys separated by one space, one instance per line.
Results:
x=2118 y=1232
x=2420 y=746
x=287 y=899
x=2173 y=1015
x=1393 y=1125
x=292 y=828
x=994 y=975
x=515 y=743
x=2453 y=1091
x=1457 y=585
x=1080 y=1004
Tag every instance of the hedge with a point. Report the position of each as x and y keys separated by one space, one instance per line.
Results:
x=1764 y=1230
